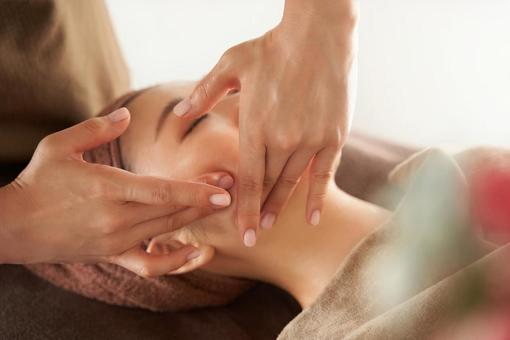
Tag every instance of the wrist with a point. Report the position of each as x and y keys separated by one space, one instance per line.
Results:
x=334 y=15
x=7 y=211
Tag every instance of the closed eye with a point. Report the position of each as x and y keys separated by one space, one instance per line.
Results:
x=194 y=124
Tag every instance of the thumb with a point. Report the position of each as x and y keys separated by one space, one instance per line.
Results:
x=149 y=265
x=90 y=133
x=208 y=92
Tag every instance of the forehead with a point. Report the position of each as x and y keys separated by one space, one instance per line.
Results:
x=156 y=97
x=137 y=143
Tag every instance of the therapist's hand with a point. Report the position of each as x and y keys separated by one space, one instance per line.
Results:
x=63 y=209
x=295 y=87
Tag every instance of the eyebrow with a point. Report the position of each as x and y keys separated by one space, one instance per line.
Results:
x=164 y=115
x=169 y=108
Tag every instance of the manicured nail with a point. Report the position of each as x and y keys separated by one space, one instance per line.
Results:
x=249 y=238
x=222 y=200
x=226 y=182
x=118 y=115
x=182 y=108
x=316 y=217
x=267 y=221
x=193 y=255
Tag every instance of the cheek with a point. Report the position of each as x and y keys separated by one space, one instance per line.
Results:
x=212 y=149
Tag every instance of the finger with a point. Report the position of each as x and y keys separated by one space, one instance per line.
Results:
x=284 y=187
x=218 y=179
x=147 y=265
x=275 y=163
x=250 y=181
x=160 y=191
x=159 y=247
x=90 y=133
x=151 y=228
x=206 y=94
x=322 y=170
x=135 y=213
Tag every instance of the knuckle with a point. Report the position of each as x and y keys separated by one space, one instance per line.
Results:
x=335 y=140
x=161 y=195
x=46 y=145
x=101 y=189
x=269 y=181
x=250 y=185
x=287 y=141
x=202 y=90
x=288 y=181
x=228 y=55
x=322 y=177
x=97 y=188
x=315 y=142
x=274 y=203
x=109 y=223
x=249 y=218
x=93 y=126
x=197 y=199
x=318 y=196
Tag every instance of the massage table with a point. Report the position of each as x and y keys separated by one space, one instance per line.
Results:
x=31 y=308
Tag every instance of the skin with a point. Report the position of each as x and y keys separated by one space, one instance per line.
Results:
x=62 y=209
x=292 y=255
x=107 y=208
x=304 y=65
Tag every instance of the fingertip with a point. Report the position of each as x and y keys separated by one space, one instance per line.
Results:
x=267 y=221
x=226 y=182
x=194 y=253
x=182 y=108
x=220 y=200
x=221 y=179
x=249 y=238
x=118 y=115
x=315 y=217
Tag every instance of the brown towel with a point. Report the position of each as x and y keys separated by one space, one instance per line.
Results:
x=115 y=285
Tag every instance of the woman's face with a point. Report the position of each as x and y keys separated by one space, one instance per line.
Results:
x=158 y=143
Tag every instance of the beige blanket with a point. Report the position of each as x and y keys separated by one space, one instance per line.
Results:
x=420 y=274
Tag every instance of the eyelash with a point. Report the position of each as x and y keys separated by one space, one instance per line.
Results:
x=194 y=124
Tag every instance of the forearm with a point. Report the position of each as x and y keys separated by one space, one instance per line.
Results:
x=334 y=14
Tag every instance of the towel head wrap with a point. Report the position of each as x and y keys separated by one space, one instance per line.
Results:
x=115 y=285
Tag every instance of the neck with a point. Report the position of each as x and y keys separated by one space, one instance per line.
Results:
x=302 y=259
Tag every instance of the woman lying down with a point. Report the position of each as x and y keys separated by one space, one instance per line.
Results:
x=364 y=272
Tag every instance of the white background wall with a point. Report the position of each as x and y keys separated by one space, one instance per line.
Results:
x=430 y=71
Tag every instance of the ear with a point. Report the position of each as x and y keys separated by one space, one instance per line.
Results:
x=167 y=243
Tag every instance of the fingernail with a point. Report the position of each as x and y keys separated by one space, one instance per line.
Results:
x=267 y=221
x=118 y=115
x=182 y=108
x=226 y=182
x=316 y=217
x=222 y=200
x=194 y=254
x=249 y=238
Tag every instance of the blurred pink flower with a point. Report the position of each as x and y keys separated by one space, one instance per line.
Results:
x=490 y=192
